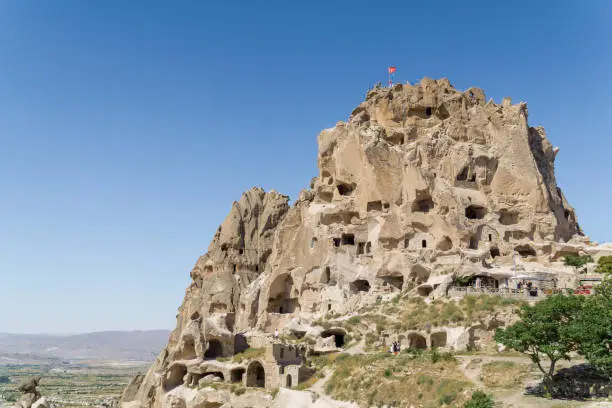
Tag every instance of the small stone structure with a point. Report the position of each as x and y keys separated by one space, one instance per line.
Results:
x=281 y=366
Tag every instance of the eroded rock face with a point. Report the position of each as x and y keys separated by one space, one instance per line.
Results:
x=423 y=180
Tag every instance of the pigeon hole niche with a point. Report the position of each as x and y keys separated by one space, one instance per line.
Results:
x=283 y=295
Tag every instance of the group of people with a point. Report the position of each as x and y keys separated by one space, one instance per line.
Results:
x=395 y=348
x=528 y=286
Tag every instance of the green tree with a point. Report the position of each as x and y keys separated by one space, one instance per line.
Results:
x=577 y=261
x=593 y=329
x=545 y=331
x=604 y=265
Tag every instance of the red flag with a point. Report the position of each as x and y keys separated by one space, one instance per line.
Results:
x=391 y=70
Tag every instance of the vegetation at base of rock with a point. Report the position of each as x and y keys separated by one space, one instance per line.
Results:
x=577 y=261
x=416 y=314
x=604 y=265
x=248 y=354
x=562 y=324
x=544 y=332
x=4 y=379
x=480 y=400
x=504 y=374
x=385 y=379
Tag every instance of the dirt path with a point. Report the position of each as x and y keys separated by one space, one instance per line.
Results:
x=358 y=348
x=515 y=398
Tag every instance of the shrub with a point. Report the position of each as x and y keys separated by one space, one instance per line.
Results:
x=4 y=379
x=354 y=320
x=577 y=261
x=239 y=390
x=388 y=373
x=480 y=400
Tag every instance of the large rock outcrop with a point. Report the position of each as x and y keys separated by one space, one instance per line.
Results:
x=423 y=180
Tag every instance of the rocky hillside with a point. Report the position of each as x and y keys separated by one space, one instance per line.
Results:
x=423 y=185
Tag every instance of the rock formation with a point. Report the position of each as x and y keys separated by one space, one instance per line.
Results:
x=31 y=398
x=422 y=183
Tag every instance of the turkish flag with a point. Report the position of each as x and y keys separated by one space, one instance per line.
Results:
x=391 y=70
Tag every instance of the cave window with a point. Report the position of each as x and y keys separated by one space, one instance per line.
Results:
x=473 y=242
x=282 y=353
x=256 y=268
x=508 y=217
x=386 y=206
x=348 y=239
x=475 y=212
x=374 y=206
x=241 y=251
x=313 y=241
x=463 y=175
x=567 y=214
x=428 y=111
x=346 y=189
x=473 y=178
x=336 y=242
x=360 y=248
x=494 y=252
x=326 y=275
x=215 y=349
x=525 y=250
x=368 y=247
x=329 y=307
x=406 y=242
x=490 y=237
x=234 y=268
x=423 y=205
x=424 y=243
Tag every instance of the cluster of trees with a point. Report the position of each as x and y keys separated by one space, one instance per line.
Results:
x=562 y=325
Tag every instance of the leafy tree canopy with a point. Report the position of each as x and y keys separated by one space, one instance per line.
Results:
x=604 y=265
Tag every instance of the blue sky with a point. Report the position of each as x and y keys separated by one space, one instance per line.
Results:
x=128 y=128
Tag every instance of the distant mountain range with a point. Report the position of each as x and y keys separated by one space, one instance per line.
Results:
x=108 y=346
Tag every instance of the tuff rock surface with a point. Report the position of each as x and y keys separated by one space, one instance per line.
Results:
x=423 y=181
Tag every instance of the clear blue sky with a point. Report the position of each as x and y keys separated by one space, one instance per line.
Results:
x=127 y=128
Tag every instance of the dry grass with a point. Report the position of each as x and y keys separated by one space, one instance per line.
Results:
x=504 y=374
x=248 y=354
x=404 y=380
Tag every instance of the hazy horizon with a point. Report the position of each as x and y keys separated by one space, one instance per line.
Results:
x=129 y=128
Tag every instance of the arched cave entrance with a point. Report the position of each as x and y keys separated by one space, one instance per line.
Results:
x=256 y=375
x=288 y=381
x=338 y=335
x=174 y=377
x=360 y=285
x=416 y=341
x=283 y=297
x=188 y=350
x=214 y=350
